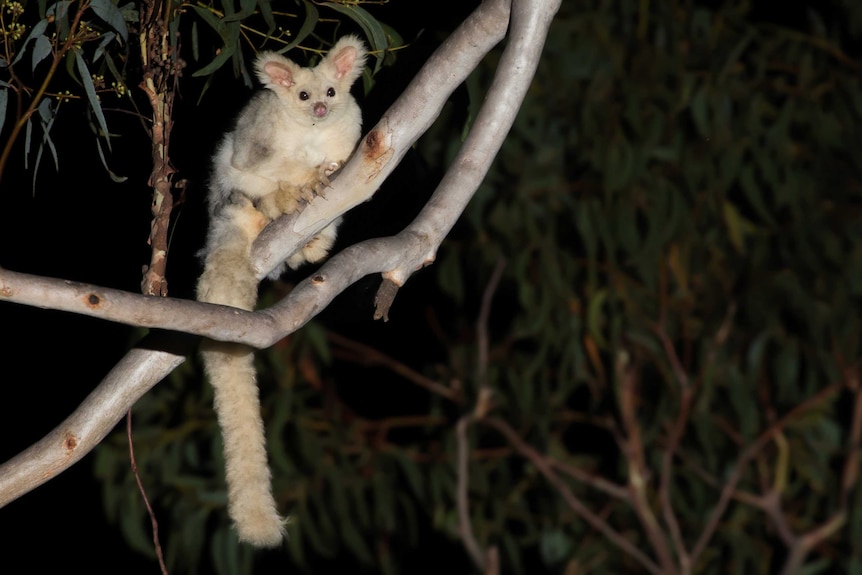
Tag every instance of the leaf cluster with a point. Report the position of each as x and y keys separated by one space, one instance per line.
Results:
x=96 y=40
x=676 y=330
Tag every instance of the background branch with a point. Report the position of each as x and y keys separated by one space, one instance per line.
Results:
x=141 y=368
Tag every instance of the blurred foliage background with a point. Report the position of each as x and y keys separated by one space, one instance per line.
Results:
x=643 y=336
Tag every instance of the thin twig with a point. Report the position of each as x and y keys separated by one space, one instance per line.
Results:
x=367 y=355
x=637 y=468
x=492 y=561
x=584 y=512
x=665 y=485
x=850 y=475
x=465 y=525
x=482 y=320
x=158 y=547
x=750 y=452
x=595 y=481
x=670 y=351
x=800 y=551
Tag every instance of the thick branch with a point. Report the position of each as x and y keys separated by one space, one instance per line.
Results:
x=133 y=376
x=142 y=368
x=377 y=156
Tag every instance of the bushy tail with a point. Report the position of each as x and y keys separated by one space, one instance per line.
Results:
x=229 y=279
x=230 y=368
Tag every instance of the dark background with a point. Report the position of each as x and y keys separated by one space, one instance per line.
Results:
x=79 y=225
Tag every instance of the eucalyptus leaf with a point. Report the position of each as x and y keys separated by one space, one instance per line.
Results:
x=372 y=28
x=112 y=16
x=92 y=97
x=37 y=31
x=4 y=100
x=41 y=50
x=308 y=25
x=223 y=56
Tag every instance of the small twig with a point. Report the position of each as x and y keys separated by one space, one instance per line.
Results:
x=595 y=481
x=492 y=561
x=159 y=555
x=487 y=561
x=807 y=542
x=770 y=504
x=367 y=355
x=720 y=337
x=384 y=298
x=850 y=475
x=465 y=525
x=637 y=468
x=670 y=351
x=750 y=452
x=666 y=471
x=596 y=522
x=678 y=428
x=482 y=321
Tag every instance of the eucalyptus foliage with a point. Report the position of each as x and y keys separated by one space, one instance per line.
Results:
x=676 y=331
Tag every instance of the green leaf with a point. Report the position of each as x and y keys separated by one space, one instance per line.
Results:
x=266 y=12
x=4 y=101
x=296 y=544
x=384 y=504
x=93 y=99
x=111 y=15
x=411 y=472
x=308 y=25
x=319 y=534
x=41 y=50
x=60 y=13
x=316 y=335
x=47 y=114
x=737 y=226
x=360 y=505
x=700 y=114
x=372 y=28
x=756 y=352
x=130 y=13
x=216 y=62
x=37 y=32
x=754 y=193
x=28 y=134
x=733 y=57
x=114 y=177
x=214 y=21
x=821 y=565
x=555 y=546
x=354 y=541
x=246 y=9
x=513 y=551
x=786 y=368
x=744 y=403
x=596 y=317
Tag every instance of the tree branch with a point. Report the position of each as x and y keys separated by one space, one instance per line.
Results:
x=134 y=375
x=636 y=460
x=596 y=522
x=750 y=452
x=462 y=497
x=399 y=256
